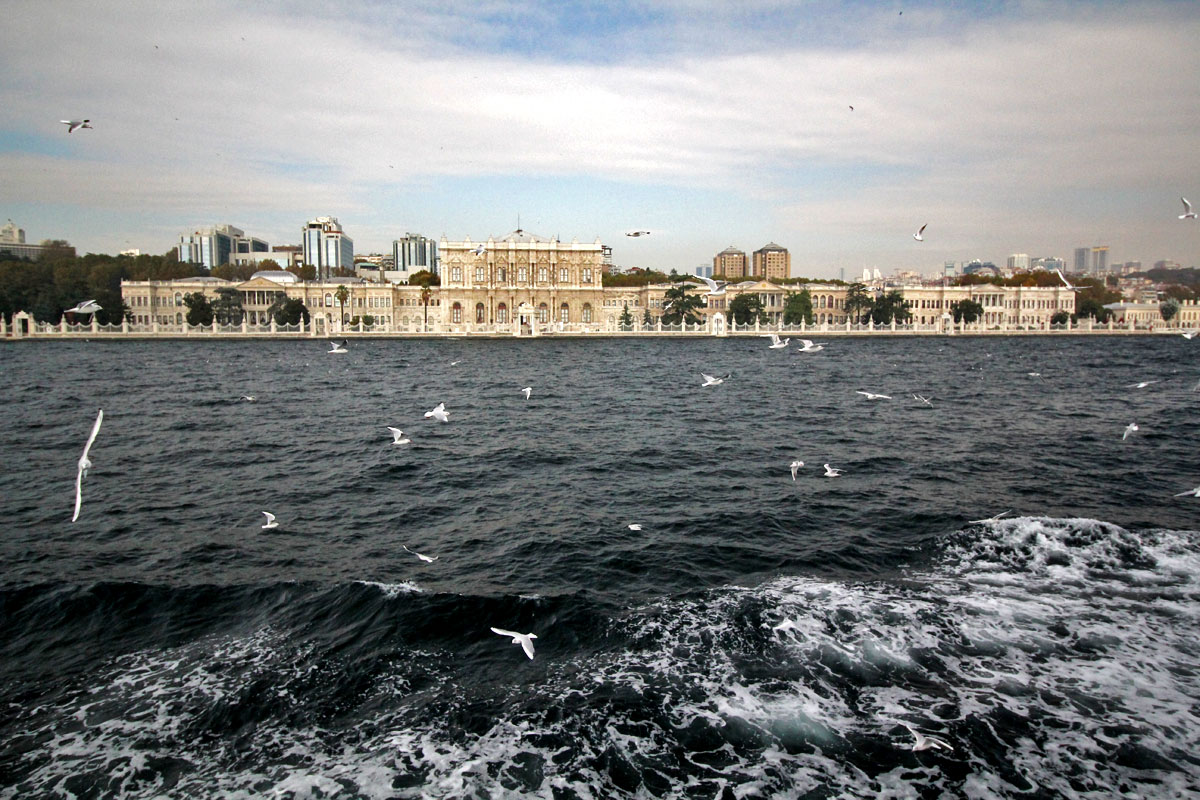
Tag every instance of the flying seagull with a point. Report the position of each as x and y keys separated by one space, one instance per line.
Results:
x=635 y=526
x=1189 y=334
x=776 y=343
x=480 y=250
x=809 y=347
x=338 y=347
x=873 y=396
x=714 y=289
x=993 y=518
x=528 y=390
x=398 y=436
x=851 y=108
x=922 y=398
x=709 y=380
x=439 y=413
x=832 y=472
x=1190 y=493
x=73 y=125
x=638 y=233
x=85 y=464
x=422 y=556
x=1187 y=208
x=918 y=235
x=795 y=467
x=1063 y=278
x=270 y=523
x=1130 y=428
x=1139 y=384
x=523 y=639
x=924 y=742
x=86 y=307
x=249 y=398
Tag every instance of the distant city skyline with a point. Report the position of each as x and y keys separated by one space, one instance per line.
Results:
x=450 y=118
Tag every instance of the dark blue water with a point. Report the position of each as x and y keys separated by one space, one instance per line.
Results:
x=759 y=637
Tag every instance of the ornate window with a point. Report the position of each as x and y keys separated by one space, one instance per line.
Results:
x=587 y=275
x=564 y=313
x=456 y=313
x=456 y=274
x=328 y=300
x=586 y=315
x=543 y=313
x=480 y=313
x=501 y=272
x=179 y=298
x=502 y=314
x=564 y=275
x=479 y=274
x=521 y=275
x=542 y=275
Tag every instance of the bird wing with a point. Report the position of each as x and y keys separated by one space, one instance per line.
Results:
x=707 y=377
x=923 y=228
x=79 y=492
x=270 y=517
x=1187 y=207
x=712 y=285
x=396 y=432
x=527 y=645
x=503 y=632
x=92 y=437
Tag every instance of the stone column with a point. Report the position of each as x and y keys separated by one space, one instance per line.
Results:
x=62 y=324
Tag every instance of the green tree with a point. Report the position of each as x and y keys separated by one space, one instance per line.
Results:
x=1168 y=308
x=228 y=306
x=290 y=312
x=1060 y=318
x=305 y=272
x=647 y=320
x=626 y=319
x=342 y=295
x=268 y=264
x=858 y=302
x=745 y=308
x=798 y=308
x=199 y=310
x=890 y=306
x=679 y=306
x=966 y=311
x=424 y=278
x=234 y=272
x=1091 y=307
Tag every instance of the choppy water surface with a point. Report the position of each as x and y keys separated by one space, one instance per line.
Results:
x=759 y=637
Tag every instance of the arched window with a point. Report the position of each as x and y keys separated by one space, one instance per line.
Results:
x=179 y=298
x=586 y=315
x=179 y=318
x=328 y=300
x=502 y=313
x=480 y=313
x=564 y=313
x=543 y=313
x=456 y=313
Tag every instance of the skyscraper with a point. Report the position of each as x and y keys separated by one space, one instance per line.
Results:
x=414 y=253
x=1099 y=259
x=1081 y=259
x=214 y=245
x=1018 y=262
x=772 y=261
x=730 y=262
x=326 y=246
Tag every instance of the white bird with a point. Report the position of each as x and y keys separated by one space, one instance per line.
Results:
x=86 y=307
x=992 y=518
x=1139 y=385
x=85 y=464
x=918 y=235
x=528 y=390
x=1063 y=278
x=523 y=639
x=873 y=396
x=422 y=556
x=635 y=526
x=480 y=250
x=338 y=347
x=1130 y=428
x=709 y=380
x=249 y=398
x=795 y=467
x=924 y=742
x=439 y=413
x=73 y=125
x=638 y=233
x=455 y=363
x=270 y=523
x=1189 y=334
x=398 y=436
x=922 y=398
x=714 y=289
x=1190 y=493
x=776 y=343
x=1187 y=210
x=809 y=347
x=1034 y=374
x=831 y=472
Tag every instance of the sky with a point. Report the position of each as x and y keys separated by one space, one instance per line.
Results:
x=1005 y=127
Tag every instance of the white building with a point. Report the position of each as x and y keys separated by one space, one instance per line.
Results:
x=214 y=245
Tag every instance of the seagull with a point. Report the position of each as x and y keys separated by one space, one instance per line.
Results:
x=776 y=343
x=86 y=307
x=924 y=742
x=1063 y=278
x=714 y=290
x=918 y=235
x=528 y=390
x=1189 y=334
x=249 y=398
x=1187 y=207
x=795 y=466
x=480 y=250
x=73 y=125
x=1034 y=374
x=993 y=518
x=398 y=436
x=1190 y=493
x=422 y=556
x=523 y=639
x=1130 y=428
x=1139 y=385
x=873 y=396
x=270 y=523
x=455 y=363
x=635 y=526
x=439 y=413
x=809 y=347
x=851 y=108
x=638 y=233
x=831 y=472
x=338 y=347
x=922 y=398
x=709 y=380
x=85 y=464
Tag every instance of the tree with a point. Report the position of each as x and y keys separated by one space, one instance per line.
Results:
x=269 y=264
x=200 y=311
x=679 y=306
x=745 y=308
x=647 y=320
x=888 y=307
x=290 y=312
x=342 y=295
x=1091 y=307
x=626 y=319
x=858 y=302
x=966 y=311
x=798 y=308
x=228 y=306
x=1168 y=308
x=1060 y=318
x=305 y=272
x=424 y=278
x=234 y=272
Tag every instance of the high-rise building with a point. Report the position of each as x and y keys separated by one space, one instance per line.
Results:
x=326 y=246
x=1082 y=255
x=1018 y=262
x=215 y=245
x=949 y=269
x=772 y=261
x=414 y=253
x=704 y=271
x=730 y=262
x=11 y=234
x=1099 y=259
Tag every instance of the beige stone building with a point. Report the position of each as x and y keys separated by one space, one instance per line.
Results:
x=772 y=261
x=731 y=263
